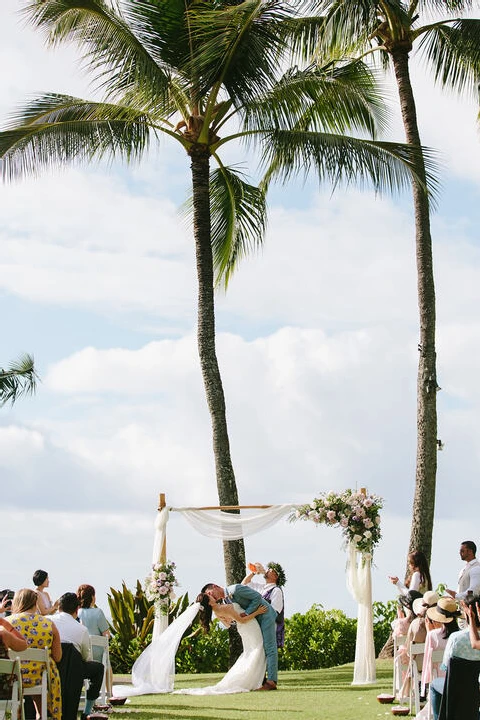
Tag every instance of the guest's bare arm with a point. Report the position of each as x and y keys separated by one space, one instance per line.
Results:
x=472 y=625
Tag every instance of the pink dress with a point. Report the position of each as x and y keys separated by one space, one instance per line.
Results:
x=434 y=641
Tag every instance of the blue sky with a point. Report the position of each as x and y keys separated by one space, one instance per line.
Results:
x=317 y=344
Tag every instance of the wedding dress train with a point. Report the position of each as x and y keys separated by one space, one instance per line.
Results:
x=154 y=670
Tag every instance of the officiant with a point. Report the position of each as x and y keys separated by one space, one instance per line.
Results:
x=271 y=590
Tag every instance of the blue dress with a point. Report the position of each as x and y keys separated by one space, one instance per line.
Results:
x=96 y=623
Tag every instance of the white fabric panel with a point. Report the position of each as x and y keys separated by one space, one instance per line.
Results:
x=359 y=583
x=233 y=526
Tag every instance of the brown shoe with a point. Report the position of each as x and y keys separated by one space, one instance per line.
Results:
x=268 y=685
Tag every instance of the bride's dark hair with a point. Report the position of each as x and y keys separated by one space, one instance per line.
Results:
x=205 y=612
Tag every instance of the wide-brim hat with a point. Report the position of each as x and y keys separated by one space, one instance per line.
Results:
x=418 y=606
x=430 y=598
x=445 y=611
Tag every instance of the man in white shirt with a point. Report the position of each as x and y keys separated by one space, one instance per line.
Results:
x=71 y=631
x=469 y=578
x=271 y=590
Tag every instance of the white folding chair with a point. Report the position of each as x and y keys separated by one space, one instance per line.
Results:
x=37 y=655
x=102 y=641
x=12 y=667
x=415 y=650
x=398 y=640
x=436 y=659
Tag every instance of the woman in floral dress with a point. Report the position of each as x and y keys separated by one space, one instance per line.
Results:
x=39 y=632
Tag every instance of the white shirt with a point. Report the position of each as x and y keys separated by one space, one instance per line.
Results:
x=72 y=631
x=469 y=579
x=276 y=598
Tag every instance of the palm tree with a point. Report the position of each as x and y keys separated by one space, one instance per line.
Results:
x=18 y=379
x=205 y=73
x=451 y=46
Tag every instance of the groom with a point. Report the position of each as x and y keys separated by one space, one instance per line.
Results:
x=249 y=600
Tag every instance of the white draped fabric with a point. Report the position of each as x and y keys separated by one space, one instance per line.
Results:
x=161 y=621
x=154 y=670
x=359 y=583
x=234 y=526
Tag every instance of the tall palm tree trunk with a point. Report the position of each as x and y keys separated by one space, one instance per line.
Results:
x=234 y=551
x=426 y=467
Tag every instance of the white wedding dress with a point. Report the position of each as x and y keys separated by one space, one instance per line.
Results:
x=154 y=670
x=249 y=670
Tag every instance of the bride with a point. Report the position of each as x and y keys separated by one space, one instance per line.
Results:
x=154 y=670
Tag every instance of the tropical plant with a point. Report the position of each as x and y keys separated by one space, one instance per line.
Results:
x=204 y=74
x=131 y=627
x=18 y=379
x=450 y=44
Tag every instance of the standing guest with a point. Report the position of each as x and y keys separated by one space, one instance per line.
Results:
x=10 y=639
x=39 y=632
x=469 y=578
x=271 y=590
x=71 y=631
x=44 y=601
x=96 y=623
x=418 y=577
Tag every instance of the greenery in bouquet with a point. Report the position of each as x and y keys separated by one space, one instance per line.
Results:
x=356 y=513
x=160 y=584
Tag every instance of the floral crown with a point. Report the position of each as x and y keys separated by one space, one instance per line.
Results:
x=281 y=577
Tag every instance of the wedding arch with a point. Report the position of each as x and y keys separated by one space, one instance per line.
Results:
x=355 y=512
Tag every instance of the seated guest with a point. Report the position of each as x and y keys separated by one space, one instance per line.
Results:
x=441 y=622
x=459 y=647
x=96 y=623
x=416 y=634
x=74 y=632
x=39 y=632
x=44 y=602
x=10 y=639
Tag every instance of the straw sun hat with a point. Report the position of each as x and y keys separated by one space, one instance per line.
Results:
x=445 y=610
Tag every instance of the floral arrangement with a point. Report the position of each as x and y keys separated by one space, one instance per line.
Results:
x=159 y=585
x=357 y=513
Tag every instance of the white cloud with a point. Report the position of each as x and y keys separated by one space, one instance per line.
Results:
x=317 y=350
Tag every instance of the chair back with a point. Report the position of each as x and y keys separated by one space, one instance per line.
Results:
x=461 y=693
x=12 y=669
x=398 y=641
x=415 y=650
x=40 y=655
x=102 y=641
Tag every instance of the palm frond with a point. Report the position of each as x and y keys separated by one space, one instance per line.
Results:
x=238 y=46
x=56 y=129
x=338 y=98
x=119 y=60
x=385 y=166
x=238 y=219
x=18 y=379
x=453 y=51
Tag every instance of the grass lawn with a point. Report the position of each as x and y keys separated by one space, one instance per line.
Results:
x=320 y=694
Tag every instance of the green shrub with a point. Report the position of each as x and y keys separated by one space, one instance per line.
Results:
x=319 y=639
x=383 y=615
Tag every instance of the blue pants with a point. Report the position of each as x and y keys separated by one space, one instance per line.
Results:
x=436 y=692
x=267 y=624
